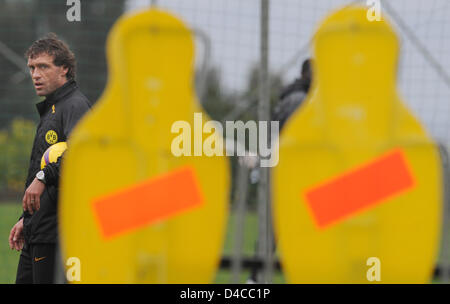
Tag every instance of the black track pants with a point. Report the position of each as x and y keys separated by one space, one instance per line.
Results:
x=36 y=264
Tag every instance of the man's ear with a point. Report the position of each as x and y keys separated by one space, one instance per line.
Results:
x=65 y=70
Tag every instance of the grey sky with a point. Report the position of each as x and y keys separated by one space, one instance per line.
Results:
x=233 y=27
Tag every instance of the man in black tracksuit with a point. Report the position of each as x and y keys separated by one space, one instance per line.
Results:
x=52 y=68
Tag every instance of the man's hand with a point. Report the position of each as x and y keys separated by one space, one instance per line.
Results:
x=32 y=198
x=16 y=239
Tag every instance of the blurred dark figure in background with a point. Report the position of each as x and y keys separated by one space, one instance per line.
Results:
x=293 y=95
x=291 y=98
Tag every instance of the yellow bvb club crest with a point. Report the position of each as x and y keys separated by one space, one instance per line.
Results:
x=51 y=137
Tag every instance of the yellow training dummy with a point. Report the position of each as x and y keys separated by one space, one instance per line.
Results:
x=358 y=190
x=131 y=211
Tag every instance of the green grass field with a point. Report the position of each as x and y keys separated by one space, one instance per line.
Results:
x=10 y=212
x=250 y=237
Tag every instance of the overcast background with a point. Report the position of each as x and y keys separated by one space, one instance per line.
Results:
x=233 y=28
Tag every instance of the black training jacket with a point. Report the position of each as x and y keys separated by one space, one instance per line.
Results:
x=59 y=113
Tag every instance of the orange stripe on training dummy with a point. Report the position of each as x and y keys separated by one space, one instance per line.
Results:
x=360 y=189
x=143 y=204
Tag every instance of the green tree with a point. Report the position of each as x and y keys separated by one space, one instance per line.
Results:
x=215 y=100
x=24 y=21
x=251 y=94
x=15 y=146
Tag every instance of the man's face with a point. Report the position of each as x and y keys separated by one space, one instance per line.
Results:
x=46 y=76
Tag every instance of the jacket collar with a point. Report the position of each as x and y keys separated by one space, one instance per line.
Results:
x=56 y=95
